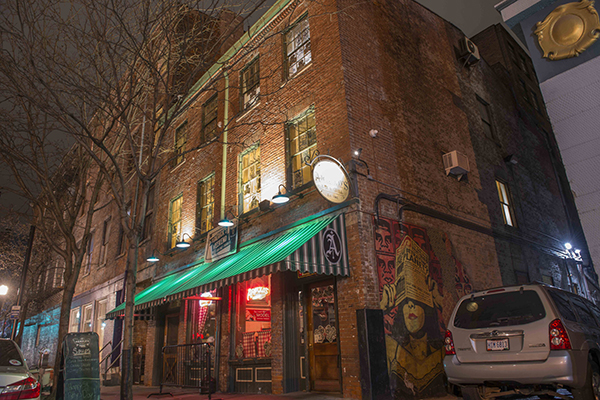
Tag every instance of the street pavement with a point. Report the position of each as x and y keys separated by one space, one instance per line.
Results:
x=142 y=392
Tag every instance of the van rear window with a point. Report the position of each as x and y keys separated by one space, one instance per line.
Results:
x=500 y=309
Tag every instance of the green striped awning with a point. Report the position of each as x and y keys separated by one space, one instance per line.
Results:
x=315 y=246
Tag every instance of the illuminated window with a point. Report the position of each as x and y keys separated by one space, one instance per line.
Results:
x=250 y=84
x=180 y=139
x=59 y=275
x=87 y=318
x=209 y=119
x=302 y=137
x=505 y=203
x=202 y=316
x=250 y=179
x=174 y=221
x=253 y=318
x=101 y=308
x=74 y=319
x=297 y=47
x=205 y=204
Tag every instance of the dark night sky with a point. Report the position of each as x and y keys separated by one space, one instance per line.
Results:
x=471 y=16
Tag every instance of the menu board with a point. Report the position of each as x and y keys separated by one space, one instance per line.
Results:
x=80 y=372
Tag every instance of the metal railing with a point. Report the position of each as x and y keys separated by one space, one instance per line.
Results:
x=105 y=359
x=188 y=366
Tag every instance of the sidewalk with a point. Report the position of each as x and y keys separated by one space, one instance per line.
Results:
x=142 y=392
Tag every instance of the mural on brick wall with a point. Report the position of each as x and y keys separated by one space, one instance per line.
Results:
x=413 y=297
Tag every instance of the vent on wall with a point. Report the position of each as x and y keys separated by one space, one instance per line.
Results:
x=456 y=163
x=468 y=51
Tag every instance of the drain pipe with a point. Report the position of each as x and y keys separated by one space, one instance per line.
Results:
x=224 y=166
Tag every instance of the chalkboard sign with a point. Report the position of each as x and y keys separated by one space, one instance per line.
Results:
x=80 y=367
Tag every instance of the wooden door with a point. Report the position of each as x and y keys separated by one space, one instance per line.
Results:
x=170 y=366
x=322 y=329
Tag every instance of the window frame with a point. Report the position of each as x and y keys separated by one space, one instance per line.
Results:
x=246 y=105
x=150 y=204
x=302 y=18
x=484 y=105
x=76 y=311
x=172 y=240
x=201 y=207
x=508 y=205
x=258 y=176
x=104 y=242
x=179 y=142
x=312 y=149
x=205 y=123
x=89 y=255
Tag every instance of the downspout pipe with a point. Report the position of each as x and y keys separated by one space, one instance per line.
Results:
x=225 y=129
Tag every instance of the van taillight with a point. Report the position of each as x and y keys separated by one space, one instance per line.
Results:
x=559 y=340
x=449 y=344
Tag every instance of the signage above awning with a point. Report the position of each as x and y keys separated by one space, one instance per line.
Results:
x=315 y=245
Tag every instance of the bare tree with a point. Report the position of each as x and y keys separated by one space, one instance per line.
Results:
x=55 y=182
x=114 y=75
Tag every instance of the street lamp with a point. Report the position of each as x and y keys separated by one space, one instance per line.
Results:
x=3 y=290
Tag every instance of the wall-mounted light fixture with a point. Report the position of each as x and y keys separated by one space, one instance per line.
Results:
x=568 y=246
x=153 y=257
x=226 y=222
x=281 y=198
x=182 y=244
x=357 y=154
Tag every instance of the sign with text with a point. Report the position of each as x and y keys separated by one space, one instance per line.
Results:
x=258 y=315
x=80 y=373
x=221 y=242
x=331 y=179
x=14 y=312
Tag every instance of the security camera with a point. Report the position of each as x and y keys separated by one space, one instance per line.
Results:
x=373 y=133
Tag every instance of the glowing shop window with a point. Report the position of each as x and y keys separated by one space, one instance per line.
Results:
x=202 y=319
x=253 y=318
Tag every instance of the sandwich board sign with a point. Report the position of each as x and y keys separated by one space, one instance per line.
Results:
x=79 y=377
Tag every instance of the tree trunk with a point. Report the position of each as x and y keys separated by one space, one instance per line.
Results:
x=128 y=323
x=63 y=327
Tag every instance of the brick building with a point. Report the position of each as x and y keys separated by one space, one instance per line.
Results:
x=392 y=92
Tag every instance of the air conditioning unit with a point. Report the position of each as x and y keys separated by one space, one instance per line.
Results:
x=456 y=163
x=469 y=51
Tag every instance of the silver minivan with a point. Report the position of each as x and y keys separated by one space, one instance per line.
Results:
x=528 y=339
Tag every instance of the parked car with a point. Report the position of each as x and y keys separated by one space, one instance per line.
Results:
x=528 y=339
x=15 y=380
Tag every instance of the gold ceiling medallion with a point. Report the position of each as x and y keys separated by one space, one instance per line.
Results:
x=568 y=30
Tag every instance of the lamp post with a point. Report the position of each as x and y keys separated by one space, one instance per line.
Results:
x=3 y=292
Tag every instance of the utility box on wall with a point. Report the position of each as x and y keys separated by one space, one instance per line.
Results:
x=374 y=378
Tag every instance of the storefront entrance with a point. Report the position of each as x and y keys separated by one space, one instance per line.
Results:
x=322 y=329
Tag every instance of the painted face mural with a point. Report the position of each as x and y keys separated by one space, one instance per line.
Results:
x=412 y=298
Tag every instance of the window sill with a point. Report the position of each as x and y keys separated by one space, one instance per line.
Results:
x=178 y=165
x=296 y=75
x=248 y=110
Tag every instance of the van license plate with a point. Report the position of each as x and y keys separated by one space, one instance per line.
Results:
x=497 y=344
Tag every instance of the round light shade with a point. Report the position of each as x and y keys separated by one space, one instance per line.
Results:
x=225 y=223
x=568 y=246
x=3 y=290
x=152 y=258
x=182 y=245
x=280 y=198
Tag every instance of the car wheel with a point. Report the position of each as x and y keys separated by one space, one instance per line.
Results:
x=591 y=389
x=471 y=393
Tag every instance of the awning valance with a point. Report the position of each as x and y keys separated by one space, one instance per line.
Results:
x=314 y=246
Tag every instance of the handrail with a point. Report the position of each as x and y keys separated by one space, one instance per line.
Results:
x=103 y=347
x=112 y=351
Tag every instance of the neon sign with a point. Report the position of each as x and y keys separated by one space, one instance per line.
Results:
x=257 y=293
x=206 y=303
